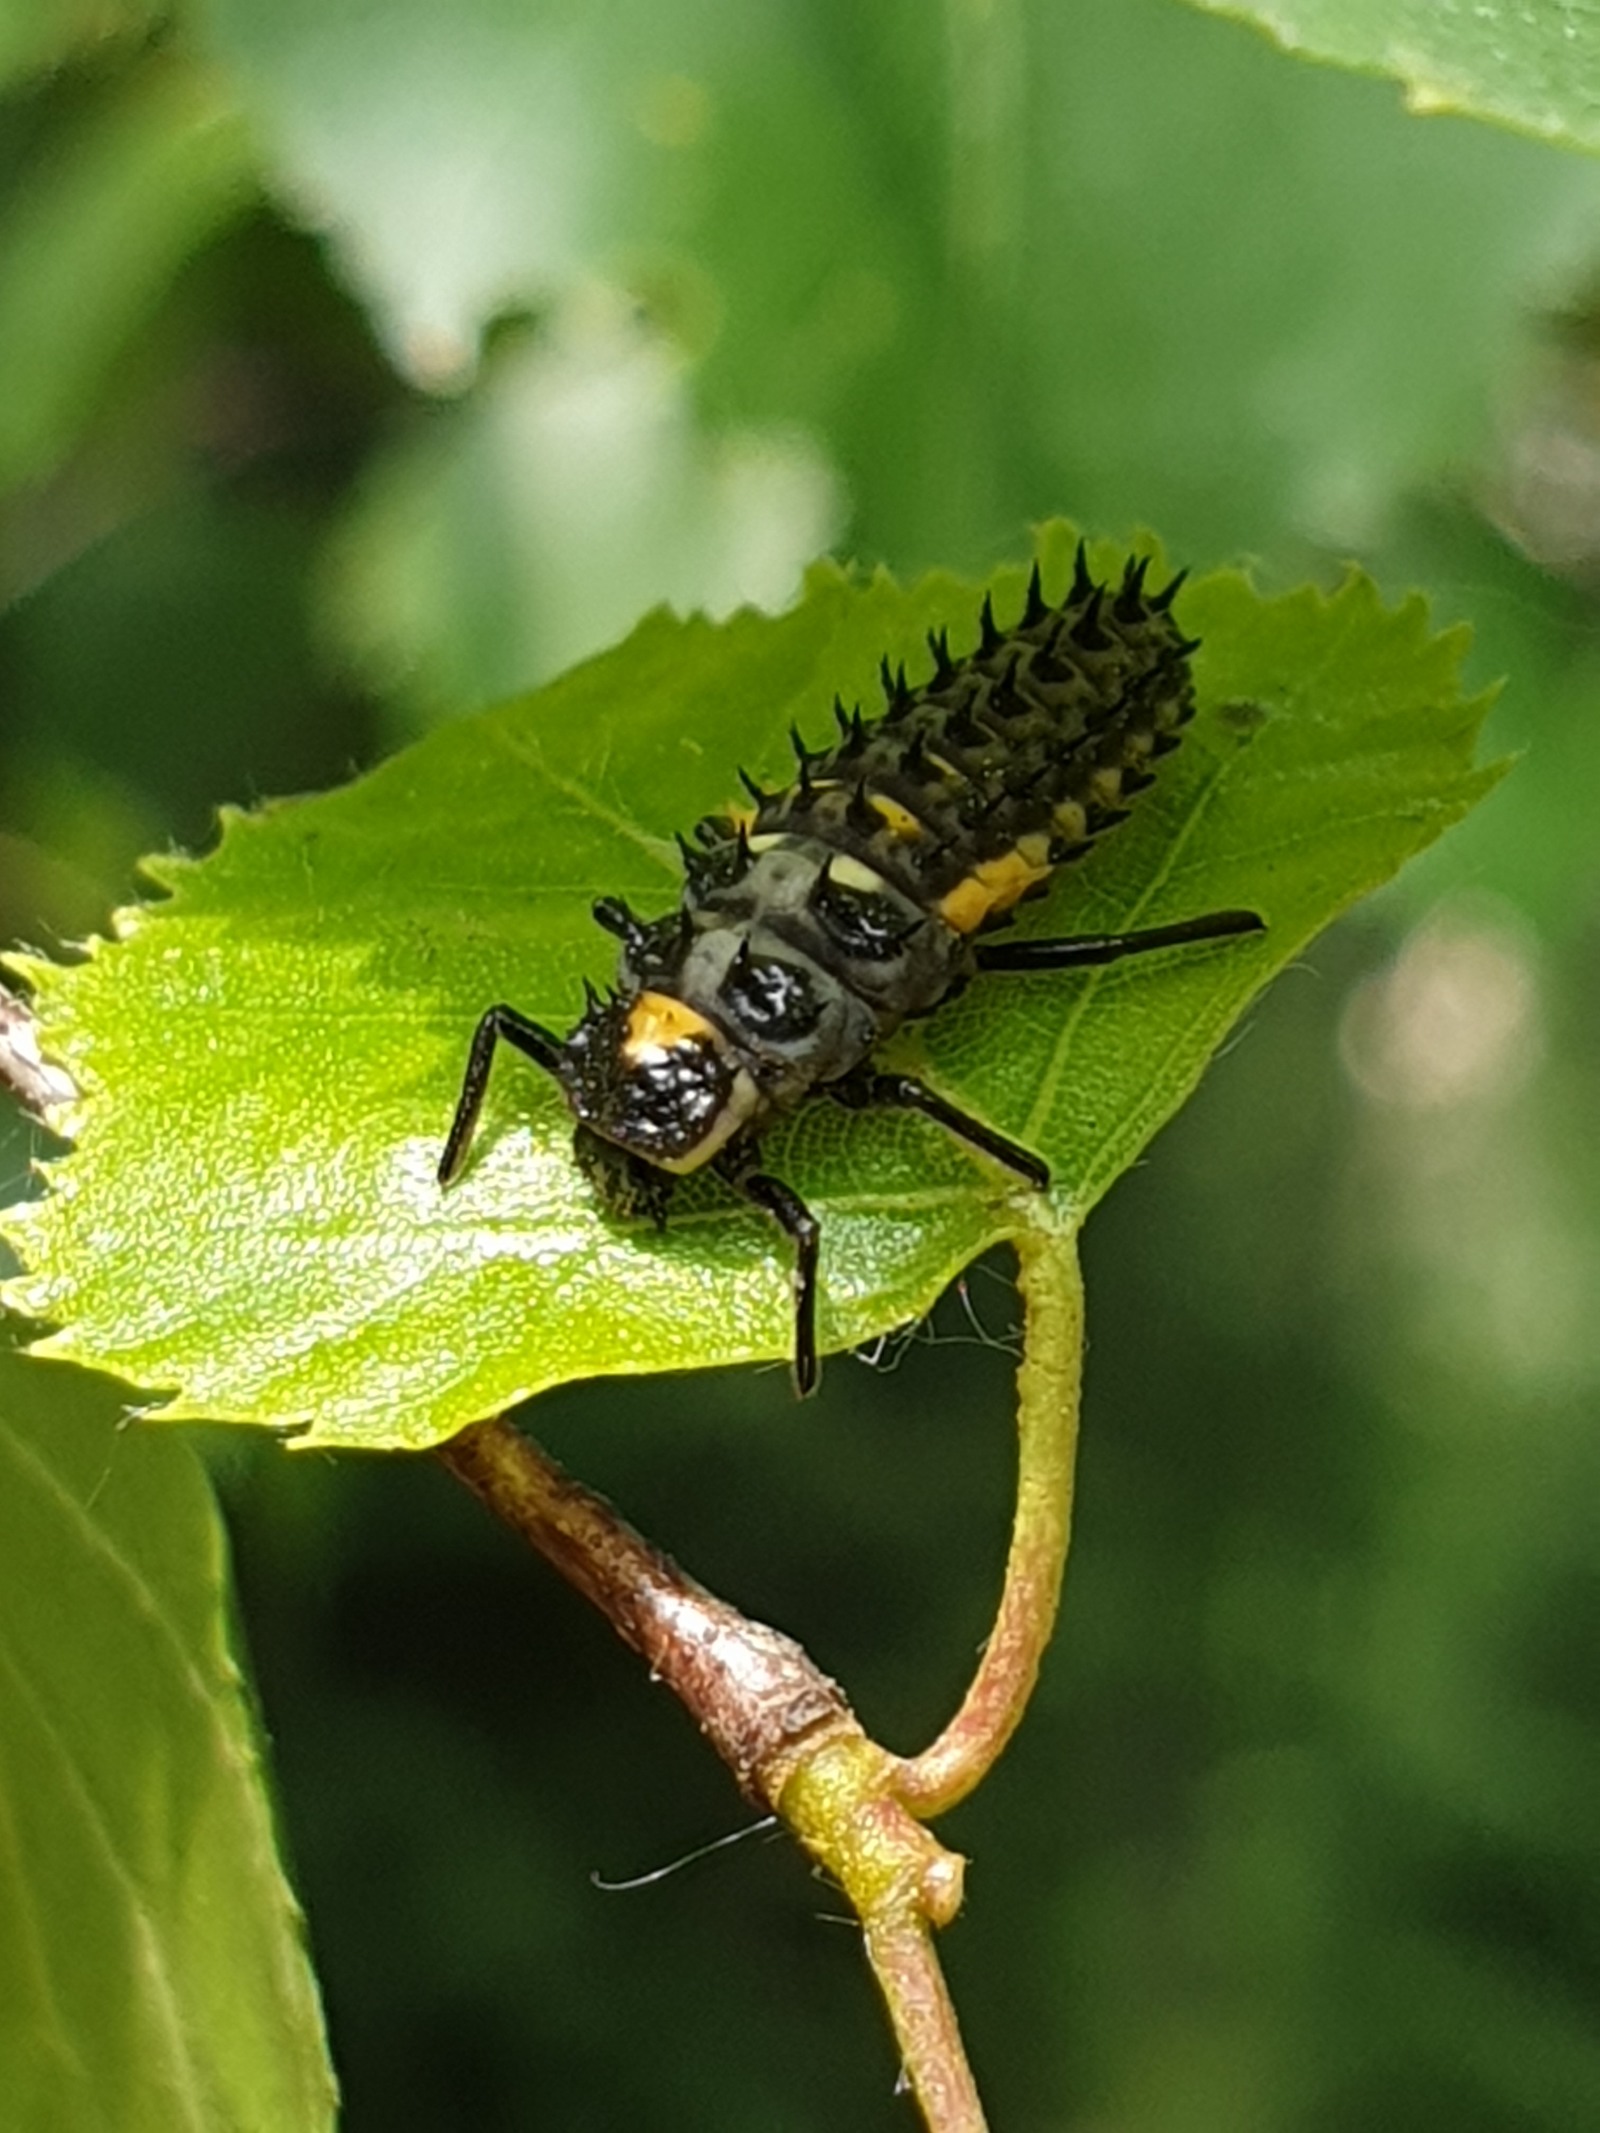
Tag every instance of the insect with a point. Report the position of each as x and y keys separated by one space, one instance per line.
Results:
x=816 y=921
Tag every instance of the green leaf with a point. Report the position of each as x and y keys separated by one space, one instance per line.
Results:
x=1534 y=65
x=152 y=1973
x=251 y=1221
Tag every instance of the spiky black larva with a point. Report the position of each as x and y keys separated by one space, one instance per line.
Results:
x=819 y=918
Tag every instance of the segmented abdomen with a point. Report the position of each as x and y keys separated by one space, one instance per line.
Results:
x=1007 y=762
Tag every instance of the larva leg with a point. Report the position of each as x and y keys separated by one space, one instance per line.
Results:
x=529 y=1037
x=1076 y=951
x=903 y=1092
x=797 y=1222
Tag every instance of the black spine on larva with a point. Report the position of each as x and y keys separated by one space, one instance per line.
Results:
x=1047 y=726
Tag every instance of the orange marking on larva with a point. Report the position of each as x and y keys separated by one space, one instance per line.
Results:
x=995 y=885
x=901 y=821
x=659 y=1023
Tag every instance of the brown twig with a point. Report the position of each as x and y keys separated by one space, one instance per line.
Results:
x=36 y=1084
x=753 y=1691
x=783 y=1728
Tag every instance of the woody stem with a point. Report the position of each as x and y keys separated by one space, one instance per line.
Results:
x=784 y=1730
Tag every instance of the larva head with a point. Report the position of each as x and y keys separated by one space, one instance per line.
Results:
x=652 y=1076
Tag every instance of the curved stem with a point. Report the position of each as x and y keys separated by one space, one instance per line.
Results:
x=1048 y=1381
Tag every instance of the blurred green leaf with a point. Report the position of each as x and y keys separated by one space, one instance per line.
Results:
x=533 y=522
x=468 y=160
x=152 y=1972
x=42 y=33
x=270 y=1058
x=93 y=236
x=1535 y=65
x=1291 y=307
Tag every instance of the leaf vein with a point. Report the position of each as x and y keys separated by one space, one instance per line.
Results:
x=532 y=757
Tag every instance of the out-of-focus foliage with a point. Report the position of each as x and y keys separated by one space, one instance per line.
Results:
x=36 y=34
x=1098 y=250
x=1535 y=64
x=110 y=215
x=1303 y=1831
x=152 y=1973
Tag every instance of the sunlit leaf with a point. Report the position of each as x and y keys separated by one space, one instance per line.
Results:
x=250 y=1220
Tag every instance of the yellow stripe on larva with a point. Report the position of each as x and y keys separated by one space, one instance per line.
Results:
x=902 y=822
x=659 y=1023
x=996 y=884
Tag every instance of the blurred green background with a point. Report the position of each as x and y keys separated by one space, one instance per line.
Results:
x=360 y=363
